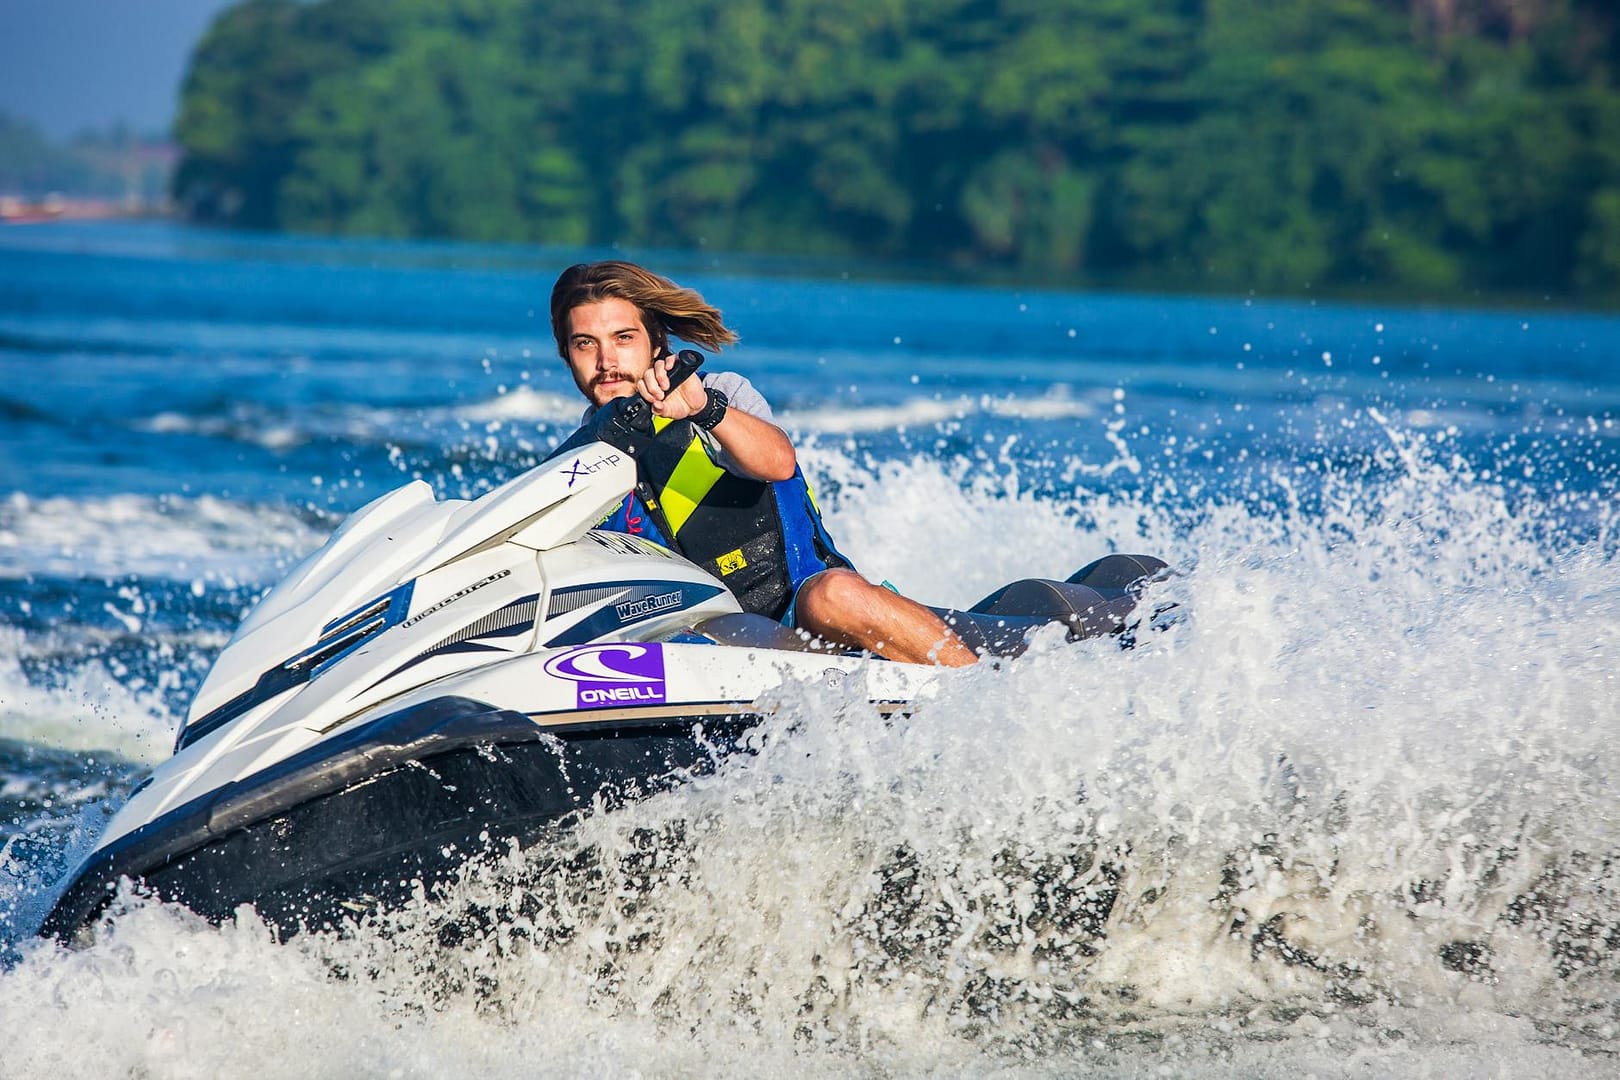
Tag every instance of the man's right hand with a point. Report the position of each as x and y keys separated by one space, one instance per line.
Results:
x=672 y=403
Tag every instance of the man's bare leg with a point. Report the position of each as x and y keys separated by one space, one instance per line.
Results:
x=843 y=607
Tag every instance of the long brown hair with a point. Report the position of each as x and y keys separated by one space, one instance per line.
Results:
x=665 y=307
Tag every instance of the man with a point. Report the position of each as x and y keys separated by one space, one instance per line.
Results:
x=721 y=484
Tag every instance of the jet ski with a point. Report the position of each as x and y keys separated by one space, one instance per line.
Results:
x=445 y=677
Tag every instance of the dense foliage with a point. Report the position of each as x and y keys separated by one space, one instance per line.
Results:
x=1429 y=145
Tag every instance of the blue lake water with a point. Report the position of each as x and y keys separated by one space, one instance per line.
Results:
x=1360 y=803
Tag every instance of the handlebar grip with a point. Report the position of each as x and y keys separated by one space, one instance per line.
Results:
x=686 y=362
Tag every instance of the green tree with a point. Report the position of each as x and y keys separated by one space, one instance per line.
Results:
x=1260 y=144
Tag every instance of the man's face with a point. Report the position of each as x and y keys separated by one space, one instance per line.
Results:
x=608 y=349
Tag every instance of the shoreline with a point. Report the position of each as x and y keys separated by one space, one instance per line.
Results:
x=16 y=210
x=89 y=209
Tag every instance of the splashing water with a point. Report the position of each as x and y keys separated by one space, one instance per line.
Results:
x=1356 y=803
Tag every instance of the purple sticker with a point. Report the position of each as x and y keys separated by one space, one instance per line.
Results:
x=622 y=673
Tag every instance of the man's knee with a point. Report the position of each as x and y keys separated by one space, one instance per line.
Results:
x=831 y=593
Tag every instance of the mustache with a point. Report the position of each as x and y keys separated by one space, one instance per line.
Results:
x=618 y=374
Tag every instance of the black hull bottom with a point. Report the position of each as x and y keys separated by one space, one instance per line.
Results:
x=407 y=801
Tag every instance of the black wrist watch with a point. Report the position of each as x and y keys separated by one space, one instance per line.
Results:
x=712 y=413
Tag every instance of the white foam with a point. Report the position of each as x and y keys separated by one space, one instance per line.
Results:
x=164 y=537
x=280 y=430
x=525 y=403
x=276 y=429
x=922 y=413
x=843 y=420
x=977 y=525
x=86 y=707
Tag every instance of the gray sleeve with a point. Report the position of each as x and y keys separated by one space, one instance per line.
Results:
x=740 y=394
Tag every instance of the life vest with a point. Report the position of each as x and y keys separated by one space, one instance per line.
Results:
x=761 y=538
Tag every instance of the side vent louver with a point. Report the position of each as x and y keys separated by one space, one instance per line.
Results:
x=338 y=638
x=346 y=633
